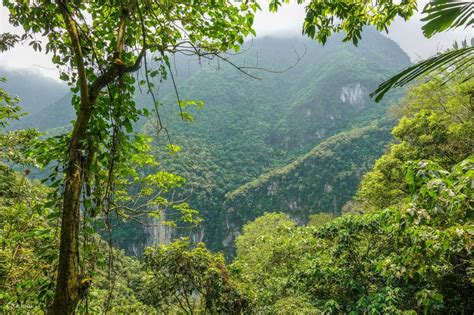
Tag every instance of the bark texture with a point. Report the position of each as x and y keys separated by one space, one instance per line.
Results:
x=68 y=283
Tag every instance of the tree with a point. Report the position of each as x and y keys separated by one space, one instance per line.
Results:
x=436 y=123
x=98 y=45
x=269 y=251
x=193 y=280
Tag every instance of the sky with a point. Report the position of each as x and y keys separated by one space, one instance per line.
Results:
x=285 y=23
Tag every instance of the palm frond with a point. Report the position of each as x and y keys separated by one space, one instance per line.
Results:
x=443 y=15
x=461 y=58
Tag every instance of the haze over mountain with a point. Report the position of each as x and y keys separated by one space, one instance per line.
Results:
x=35 y=90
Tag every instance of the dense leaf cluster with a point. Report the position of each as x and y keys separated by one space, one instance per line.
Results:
x=190 y=280
x=437 y=124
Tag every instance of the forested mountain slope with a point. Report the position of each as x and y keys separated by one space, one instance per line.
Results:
x=248 y=127
x=54 y=115
x=305 y=94
x=322 y=180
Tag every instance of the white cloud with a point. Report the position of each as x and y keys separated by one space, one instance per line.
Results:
x=287 y=21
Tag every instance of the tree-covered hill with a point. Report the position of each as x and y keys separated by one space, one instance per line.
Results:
x=57 y=114
x=322 y=180
x=249 y=127
x=334 y=93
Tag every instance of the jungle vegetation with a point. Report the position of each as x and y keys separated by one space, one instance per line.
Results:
x=315 y=207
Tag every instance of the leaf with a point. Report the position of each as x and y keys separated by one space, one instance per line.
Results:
x=459 y=58
x=187 y=117
x=53 y=216
x=443 y=15
x=128 y=125
x=63 y=76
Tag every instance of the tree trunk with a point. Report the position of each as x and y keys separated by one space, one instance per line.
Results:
x=69 y=287
x=68 y=283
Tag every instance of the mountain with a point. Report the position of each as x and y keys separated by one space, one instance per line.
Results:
x=54 y=115
x=48 y=103
x=252 y=127
x=35 y=90
x=299 y=102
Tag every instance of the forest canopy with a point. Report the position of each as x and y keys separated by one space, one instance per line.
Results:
x=314 y=206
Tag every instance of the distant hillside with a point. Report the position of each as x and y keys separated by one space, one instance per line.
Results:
x=48 y=103
x=34 y=89
x=57 y=114
x=249 y=127
x=322 y=180
x=334 y=88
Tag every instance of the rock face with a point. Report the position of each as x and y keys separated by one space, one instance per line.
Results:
x=158 y=232
x=353 y=94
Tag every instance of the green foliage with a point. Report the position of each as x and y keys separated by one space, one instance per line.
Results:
x=319 y=219
x=189 y=280
x=322 y=180
x=462 y=60
x=414 y=257
x=119 y=295
x=28 y=253
x=437 y=124
x=266 y=254
x=7 y=41
x=260 y=238
x=244 y=133
x=384 y=184
x=443 y=15
x=326 y=17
